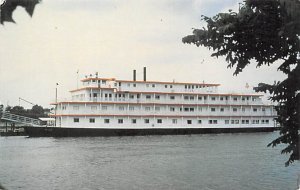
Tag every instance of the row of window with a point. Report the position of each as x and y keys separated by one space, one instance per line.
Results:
x=174 y=121
x=171 y=97
x=172 y=109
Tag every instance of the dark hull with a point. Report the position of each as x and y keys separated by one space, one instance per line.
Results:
x=88 y=132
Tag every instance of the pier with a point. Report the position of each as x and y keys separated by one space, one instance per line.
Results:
x=14 y=119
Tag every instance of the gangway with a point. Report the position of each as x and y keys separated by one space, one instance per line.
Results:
x=18 y=118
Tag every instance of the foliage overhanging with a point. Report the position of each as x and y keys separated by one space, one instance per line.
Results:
x=264 y=31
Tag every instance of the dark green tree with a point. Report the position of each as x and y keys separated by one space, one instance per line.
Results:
x=264 y=31
x=8 y=7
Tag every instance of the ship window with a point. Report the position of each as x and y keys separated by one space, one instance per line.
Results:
x=104 y=107
x=221 y=98
x=186 y=97
x=254 y=109
x=192 y=109
x=120 y=121
x=148 y=96
x=263 y=109
x=210 y=121
x=121 y=108
x=131 y=96
x=147 y=108
x=157 y=108
x=93 y=108
x=221 y=109
x=213 y=109
x=236 y=121
x=110 y=95
x=213 y=98
x=105 y=95
x=226 y=121
x=235 y=99
x=157 y=97
x=174 y=121
x=243 y=109
x=92 y=120
x=76 y=120
x=186 y=109
x=192 y=97
x=106 y=120
x=262 y=121
x=234 y=109
x=94 y=95
x=120 y=84
x=131 y=108
x=134 y=85
x=243 y=98
x=147 y=85
x=172 y=97
x=199 y=121
x=172 y=109
x=185 y=86
x=215 y=121
x=133 y=121
x=247 y=121
x=189 y=121
x=171 y=86
x=166 y=86
x=200 y=98
x=253 y=99
x=128 y=84
x=146 y=120
x=104 y=82
x=247 y=98
x=200 y=109
x=75 y=107
x=138 y=96
x=159 y=120
x=243 y=122
x=267 y=121
x=153 y=85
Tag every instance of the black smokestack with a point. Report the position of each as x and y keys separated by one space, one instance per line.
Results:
x=145 y=72
x=134 y=75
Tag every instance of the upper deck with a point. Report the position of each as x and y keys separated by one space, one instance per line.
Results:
x=146 y=86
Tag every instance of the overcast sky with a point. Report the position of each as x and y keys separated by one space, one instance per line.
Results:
x=111 y=37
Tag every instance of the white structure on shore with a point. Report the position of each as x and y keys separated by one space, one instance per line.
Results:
x=113 y=103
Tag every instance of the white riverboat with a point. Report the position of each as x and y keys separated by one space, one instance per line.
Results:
x=110 y=107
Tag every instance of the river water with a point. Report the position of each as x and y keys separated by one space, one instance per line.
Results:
x=208 y=162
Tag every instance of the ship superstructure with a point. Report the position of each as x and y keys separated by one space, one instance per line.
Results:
x=109 y=103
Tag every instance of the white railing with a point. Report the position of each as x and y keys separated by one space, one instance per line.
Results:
x=20 y=119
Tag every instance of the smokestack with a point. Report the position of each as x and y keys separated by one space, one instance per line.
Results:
x=134 y=75
x=144 y=73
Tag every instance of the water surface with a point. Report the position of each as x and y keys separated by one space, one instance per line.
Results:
x=208 y=162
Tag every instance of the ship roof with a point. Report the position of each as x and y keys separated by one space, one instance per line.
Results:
x=156 y=82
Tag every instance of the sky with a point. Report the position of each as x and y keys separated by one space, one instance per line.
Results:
x=112 y=37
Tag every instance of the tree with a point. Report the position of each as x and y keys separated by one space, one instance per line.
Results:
x=264 y=31
x=8 y=7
